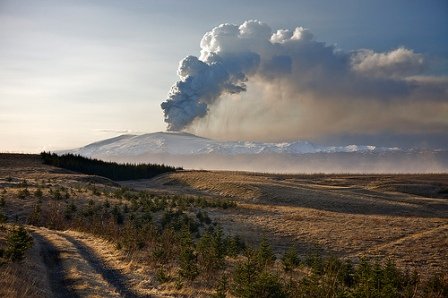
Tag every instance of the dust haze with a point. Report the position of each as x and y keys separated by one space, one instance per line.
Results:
x=344 y=162
x=254 y=83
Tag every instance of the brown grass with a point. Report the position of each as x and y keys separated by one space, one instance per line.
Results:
x=26 y=278
x=402 y=217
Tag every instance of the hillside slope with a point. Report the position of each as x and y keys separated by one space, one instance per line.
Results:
x=93 y=237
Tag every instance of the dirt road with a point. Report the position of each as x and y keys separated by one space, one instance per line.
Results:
x=76 y=269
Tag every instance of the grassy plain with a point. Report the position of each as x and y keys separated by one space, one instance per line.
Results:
x=403 y=218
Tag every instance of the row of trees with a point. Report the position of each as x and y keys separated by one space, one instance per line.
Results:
x=110 y=170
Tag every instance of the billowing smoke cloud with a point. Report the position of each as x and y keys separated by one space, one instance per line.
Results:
x=299 y=86
x=203 y=82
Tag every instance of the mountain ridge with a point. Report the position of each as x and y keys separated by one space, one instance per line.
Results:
x=189 y=151
x=183 y=143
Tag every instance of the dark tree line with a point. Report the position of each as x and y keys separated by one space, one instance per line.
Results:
x=110 y=170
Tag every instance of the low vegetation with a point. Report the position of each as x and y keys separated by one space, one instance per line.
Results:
x=177 y=238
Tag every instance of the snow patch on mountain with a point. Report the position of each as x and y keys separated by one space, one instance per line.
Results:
x=181 y=143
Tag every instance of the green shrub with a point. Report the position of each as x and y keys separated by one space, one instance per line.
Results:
x=177 y=220
x=38 y=193
x=315 y=262
x=221 y=288
x=234 y=245
x=436 y=286
x=17 y=243
x=211 y=251
x=203 y=217
x=69 y=210
x=187 y=258
x=266 y=285
x=3 y=217
x=290 y=259
x=23 y=194
x=34 y=218
x=265 y=254
x=162 y=276
x=245 y=275
x=253 y=279
x=118 y=216
x=57 y=195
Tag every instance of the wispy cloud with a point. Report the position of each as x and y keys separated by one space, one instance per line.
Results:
x=116 y=131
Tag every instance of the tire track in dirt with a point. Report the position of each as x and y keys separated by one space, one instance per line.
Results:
x=74 y=270
x=112 y=276
x=59 y=284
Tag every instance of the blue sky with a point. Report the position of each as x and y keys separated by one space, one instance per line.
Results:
x=73 y=72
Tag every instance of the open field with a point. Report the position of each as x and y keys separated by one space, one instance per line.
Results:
x=400 y=217
x=404 y=217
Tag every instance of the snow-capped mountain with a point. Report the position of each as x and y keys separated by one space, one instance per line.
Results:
x=193 y=152
x=181 y=143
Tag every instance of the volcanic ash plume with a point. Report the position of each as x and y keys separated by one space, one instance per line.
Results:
x=311 y=75
x=202 y=82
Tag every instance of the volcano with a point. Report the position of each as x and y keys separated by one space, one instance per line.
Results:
x=195 y=152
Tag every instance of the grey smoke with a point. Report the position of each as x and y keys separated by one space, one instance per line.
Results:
x=306 y=69
x=201 y=83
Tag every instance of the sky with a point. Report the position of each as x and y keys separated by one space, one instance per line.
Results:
x=75 y=72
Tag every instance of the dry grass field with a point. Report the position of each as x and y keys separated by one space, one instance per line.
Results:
x=402 y=217
x=398 y=217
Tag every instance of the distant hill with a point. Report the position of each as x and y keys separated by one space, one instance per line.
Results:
x=180 y=143
x=191 y=151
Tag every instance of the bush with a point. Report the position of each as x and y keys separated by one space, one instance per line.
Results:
x=221 y=289
x=3 y=217
x=22 y=194
x=267 y=285
x=265 y=254
x=290 y=260
x=162 y=276
x=234 y=245
x=315 y=262
x=118 y=216
x=211 y=251
x=69 y=210
x=245 y=275
x=57 y=195
x=187 y=258
x=177 y=220
x=35 y=217
x=203 y=217
x=38 y=193
x=17 y=243
x=436 y=286
x=250 y=279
